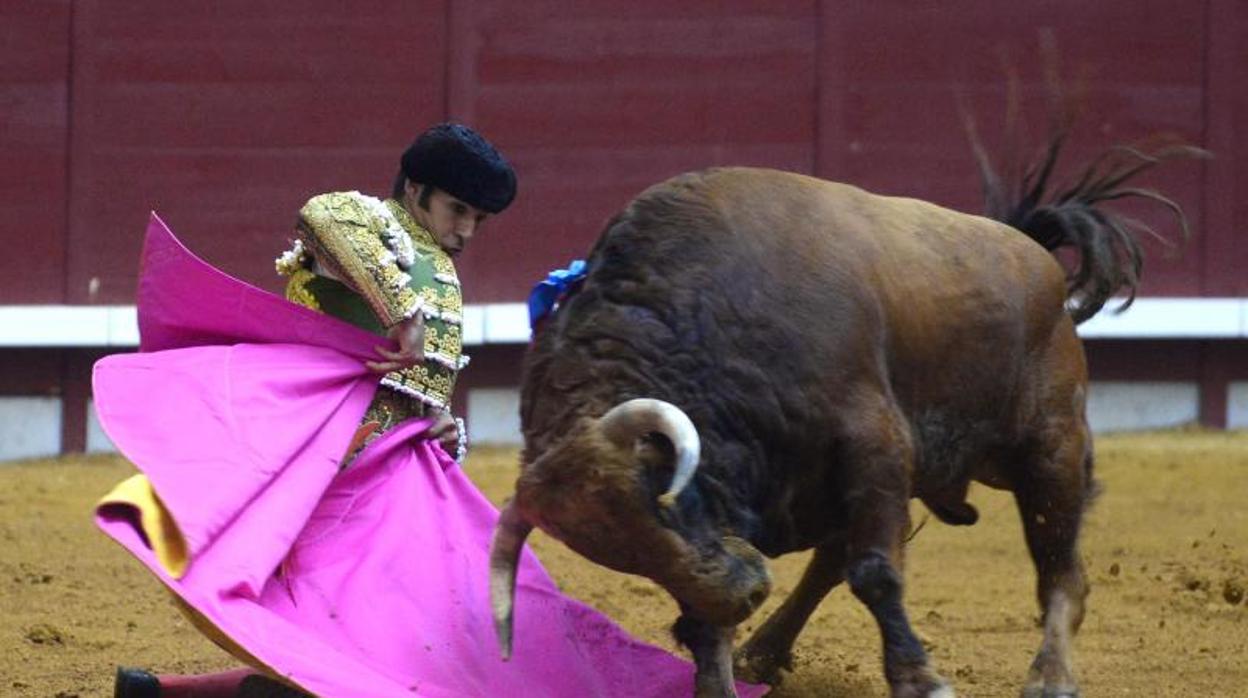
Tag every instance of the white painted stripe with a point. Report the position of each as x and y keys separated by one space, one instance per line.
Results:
x=123 y=326
x=508 y=323
x=474 y=325
x=117 y=325
x=1172 y=318
x=68 y=326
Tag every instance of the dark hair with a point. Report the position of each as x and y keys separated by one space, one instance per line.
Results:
x=400 y=184
x=457 y=160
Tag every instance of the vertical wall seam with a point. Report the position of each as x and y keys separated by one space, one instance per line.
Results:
x=817 y=144
x=68 y=210
x=448 y=36
x=67 y=439
x=1206 y=99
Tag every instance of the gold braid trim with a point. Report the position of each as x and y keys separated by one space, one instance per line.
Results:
x=422 y=239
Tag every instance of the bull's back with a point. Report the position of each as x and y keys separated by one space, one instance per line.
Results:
x=916 y=260
x=949 y=303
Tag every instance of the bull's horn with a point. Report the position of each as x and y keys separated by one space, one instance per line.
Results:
x=628 y=421
x=509 y=535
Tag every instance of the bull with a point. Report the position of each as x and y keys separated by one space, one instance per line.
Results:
x=761 y=362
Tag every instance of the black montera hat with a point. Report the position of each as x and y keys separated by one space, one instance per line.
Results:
x=457 y=160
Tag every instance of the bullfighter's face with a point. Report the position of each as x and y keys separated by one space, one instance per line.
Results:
x=601 y=500
x=452 y=222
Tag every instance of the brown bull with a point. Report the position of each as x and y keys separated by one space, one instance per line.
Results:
x=761 y=362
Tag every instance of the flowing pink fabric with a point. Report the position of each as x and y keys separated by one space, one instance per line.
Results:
x=238 y=409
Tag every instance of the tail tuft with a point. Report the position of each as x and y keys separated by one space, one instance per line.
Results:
x=1107 y=243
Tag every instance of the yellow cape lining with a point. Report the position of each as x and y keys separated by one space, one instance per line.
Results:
x=158 y=526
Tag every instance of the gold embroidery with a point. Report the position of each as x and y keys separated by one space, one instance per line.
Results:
x=422 y=239
x=445 y=341
x=344 y=234
x=444 y=266
x=297 y=289
x=431 y=385
x=429 y=297
x=447 y=300
x=432 y=340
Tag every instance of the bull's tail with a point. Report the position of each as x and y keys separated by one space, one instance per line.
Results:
x=1109 y=257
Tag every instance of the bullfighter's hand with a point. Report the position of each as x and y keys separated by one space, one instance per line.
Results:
x=410 y=336
x=445 y=431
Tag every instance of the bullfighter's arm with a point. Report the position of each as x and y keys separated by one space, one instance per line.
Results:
x=343 y=234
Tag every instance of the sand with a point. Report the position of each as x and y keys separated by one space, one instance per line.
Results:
x=1166 y=547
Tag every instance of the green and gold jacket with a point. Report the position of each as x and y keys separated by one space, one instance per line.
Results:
x=368 y=262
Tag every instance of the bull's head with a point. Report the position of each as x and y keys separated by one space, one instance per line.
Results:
x=592 y=492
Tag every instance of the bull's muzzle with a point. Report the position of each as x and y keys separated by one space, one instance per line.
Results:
x=724 y=588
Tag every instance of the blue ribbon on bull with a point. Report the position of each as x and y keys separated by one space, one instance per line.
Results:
x=546 y=293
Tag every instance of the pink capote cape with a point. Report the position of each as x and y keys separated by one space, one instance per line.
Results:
x=238 y=409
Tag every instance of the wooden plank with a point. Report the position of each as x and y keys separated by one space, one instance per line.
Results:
x=899 y=67
x=226 y=116
x=1226 y=176
x=34 y=93
x=595 y=101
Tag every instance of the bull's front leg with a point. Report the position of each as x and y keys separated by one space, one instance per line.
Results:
x=876 y=582
x=711 y=646
x=878 y=494
x=770 y=648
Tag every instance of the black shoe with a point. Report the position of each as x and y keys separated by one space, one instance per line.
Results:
x=135 y=683
x=257 y=686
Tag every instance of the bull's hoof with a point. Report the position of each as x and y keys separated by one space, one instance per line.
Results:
x=940 y=690
x=1049 y=679
x=761 y=667
x=712 y=687
x=1050 y=692
x=919 y=682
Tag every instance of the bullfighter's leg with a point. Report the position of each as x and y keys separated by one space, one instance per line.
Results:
x=770 y=647
x=711 y=646
x=1052 y=495
x=878 y=459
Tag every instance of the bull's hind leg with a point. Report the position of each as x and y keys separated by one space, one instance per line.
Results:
x=769 y=649
x=878 y=459
x=1052 y=495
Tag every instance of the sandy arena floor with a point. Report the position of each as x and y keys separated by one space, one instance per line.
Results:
x=1166 y=547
